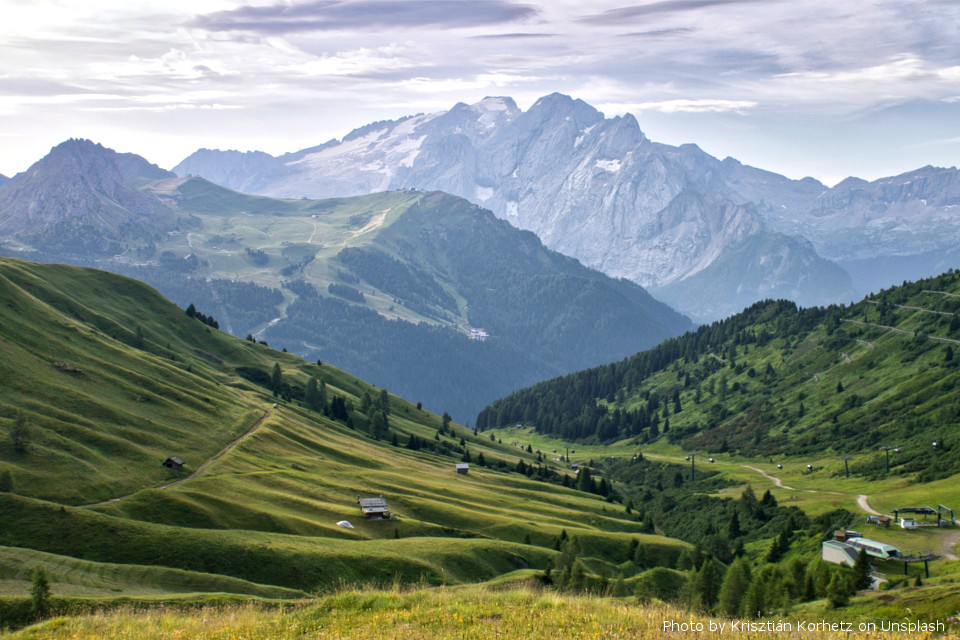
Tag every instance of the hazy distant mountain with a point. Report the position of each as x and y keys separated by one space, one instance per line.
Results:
x=593 y=188
x=79 y=200
x=423 y=293
x=883 y=232
x=3 y=179
x=673 y=219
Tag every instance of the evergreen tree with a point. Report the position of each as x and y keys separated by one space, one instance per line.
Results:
x=708 y=582
x=578 y=576
x=445 y=422
x=6 y=481
x=584 y=480
x=379 y=425
x=480 y=460
x=809 y=590
x=862 y=570
x=365 y=403
x=276 y=379
x=20 y=434
x=40 y=593
x=384 y=399
x=733 y=527
x=748 y=500
x=754 y=600
x=311 y=396
x=840 y=589
x=780 y=546
x=735 y=585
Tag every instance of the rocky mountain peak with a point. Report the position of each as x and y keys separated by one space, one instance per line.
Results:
x=79 y=187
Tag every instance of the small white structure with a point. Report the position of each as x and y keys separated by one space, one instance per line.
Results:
x=345 y=524
x=908 y=523
x=839 y=553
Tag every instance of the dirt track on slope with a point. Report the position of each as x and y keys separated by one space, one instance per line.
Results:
x=203 y=467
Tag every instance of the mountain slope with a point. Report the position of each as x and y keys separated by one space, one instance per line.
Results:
x=331 y=279
x=266 y=510
x=78 y=200
x=783 y=381
x=590 y=187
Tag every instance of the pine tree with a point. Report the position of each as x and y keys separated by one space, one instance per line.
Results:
x=734 y=587
x=40 y=593
x=6 y=481
x=862 y=568
x=708 y=582
x=276 y=379
x=733 y=527
x=379 y=425
x=584 y=480
x=311 y=395
x=19 y=434
x=840 y=588
x=754 y=600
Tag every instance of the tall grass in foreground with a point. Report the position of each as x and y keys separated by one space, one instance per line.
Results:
x=470 y=612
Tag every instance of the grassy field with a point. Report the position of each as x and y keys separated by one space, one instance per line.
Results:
x=96 y=510
x=264 y=514
x=81 y=578
x=439 y=614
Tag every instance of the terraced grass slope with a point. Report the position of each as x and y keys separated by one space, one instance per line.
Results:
x=102 y=379
x=778 y=380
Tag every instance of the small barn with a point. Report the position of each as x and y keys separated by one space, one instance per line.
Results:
x=374 y=508
x=463 y=467
x=173 y=462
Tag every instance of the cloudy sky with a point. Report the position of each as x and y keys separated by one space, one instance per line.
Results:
x=826 y=88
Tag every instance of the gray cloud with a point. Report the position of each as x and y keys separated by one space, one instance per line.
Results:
x=330 y=15
x=660 y=33
x=664 y=7
x=515 y=36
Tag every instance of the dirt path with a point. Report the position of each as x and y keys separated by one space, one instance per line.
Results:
x=862 y=501
x=203 y=467
x=948 y=542
x=766 y=475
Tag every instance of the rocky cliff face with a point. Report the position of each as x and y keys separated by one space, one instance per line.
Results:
x=599 y=190
x=80 y=199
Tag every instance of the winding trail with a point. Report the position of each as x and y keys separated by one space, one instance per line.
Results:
x=203 y=467
x=862 y=501
x=948 y=542
x=776 y=480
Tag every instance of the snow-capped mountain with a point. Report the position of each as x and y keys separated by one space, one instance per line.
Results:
x=674 y=219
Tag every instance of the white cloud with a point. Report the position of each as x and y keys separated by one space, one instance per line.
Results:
x=683 y=106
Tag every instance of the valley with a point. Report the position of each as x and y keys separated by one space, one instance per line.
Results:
x=275 y=463
x=394 y=286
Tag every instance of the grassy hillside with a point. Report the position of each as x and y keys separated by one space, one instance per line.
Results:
x=399 y=288
x=776 y=380
x=436 y=614
x=103 y=379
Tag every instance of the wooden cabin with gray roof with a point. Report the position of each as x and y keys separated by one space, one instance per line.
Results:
x=374 y=508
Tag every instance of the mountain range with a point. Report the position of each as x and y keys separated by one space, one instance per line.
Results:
x=423 y=293
x=707 y=236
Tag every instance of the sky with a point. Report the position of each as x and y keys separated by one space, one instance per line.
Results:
x=821 y=88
